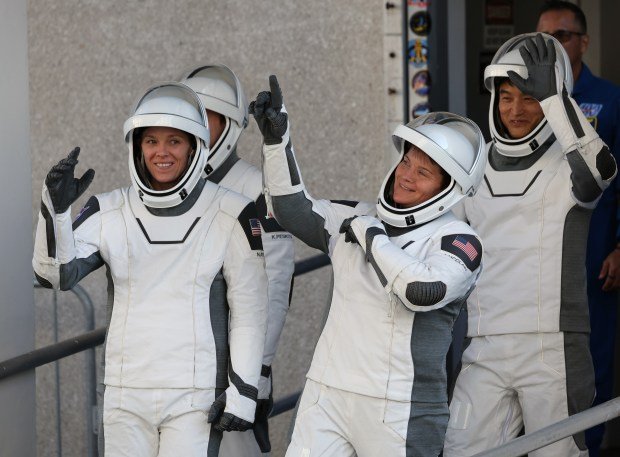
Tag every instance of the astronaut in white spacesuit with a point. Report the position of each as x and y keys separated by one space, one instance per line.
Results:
x=402 y=271
x=528 y=363
x=224 y=99
x=164 y=240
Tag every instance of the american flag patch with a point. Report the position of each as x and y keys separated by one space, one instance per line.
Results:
x=255 y=226
x=465 y=246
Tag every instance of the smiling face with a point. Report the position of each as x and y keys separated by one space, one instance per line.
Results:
x=416 y=179
x=519 y=113
x=166 y=154
x=564 y=25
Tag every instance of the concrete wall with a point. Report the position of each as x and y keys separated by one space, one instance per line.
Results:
x=90 y=61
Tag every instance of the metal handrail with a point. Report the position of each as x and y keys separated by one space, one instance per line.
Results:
x=51 y=353
x=285 y=404
x=90 y=376
x=519 y=446
x=555 y=432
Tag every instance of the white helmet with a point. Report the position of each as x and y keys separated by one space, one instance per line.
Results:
x=509 y=58
x=168 y=105
x=458 y=147
x=220 y=91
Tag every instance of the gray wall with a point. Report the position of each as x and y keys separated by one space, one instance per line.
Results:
x=17 y=394
x=90 y=61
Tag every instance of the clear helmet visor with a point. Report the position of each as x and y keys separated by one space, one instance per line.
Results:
x=176 y=106
x=452 y=141
x=508 y=58
x=455 y=144
x=221 y=92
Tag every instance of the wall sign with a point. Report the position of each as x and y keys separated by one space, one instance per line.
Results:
x=419 y=87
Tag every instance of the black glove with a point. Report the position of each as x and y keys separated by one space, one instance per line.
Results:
x=62 y=186
x=225 y=422
x=261 y=423
x=345 y=228
x=539 y=58
x=272 y=123
x=231 y=423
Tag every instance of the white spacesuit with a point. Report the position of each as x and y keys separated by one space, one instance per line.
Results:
x=528 y=363
x=221 y=92
x=399 y=283
x=176 y=349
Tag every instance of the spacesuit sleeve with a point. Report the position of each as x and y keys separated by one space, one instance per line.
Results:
x=448 y=272
x=244 y=272
x=315 y=222
x=592 y=165
x=65 y=252
x=279 y=265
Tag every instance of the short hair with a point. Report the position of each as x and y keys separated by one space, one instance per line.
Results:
x=560 y=5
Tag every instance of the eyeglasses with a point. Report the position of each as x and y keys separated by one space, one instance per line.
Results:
x=564 y=35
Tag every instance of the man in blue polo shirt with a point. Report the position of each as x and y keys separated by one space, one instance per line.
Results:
x=600 y=102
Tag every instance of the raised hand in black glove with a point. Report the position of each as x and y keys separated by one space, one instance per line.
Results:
x=62 y=186
x=226 y=422
x=266 y=109
x=539 y=58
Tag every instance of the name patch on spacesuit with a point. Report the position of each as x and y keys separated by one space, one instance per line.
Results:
x=466 y=247
x=90 y=208
x=281 y=236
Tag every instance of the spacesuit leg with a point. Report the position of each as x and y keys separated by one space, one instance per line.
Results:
x=129 y=423
x=398 y=428
x=184 y=429
x=484 y=411
x=320 y=425
x=557 y=383
x=427 y=429
x=240 y=443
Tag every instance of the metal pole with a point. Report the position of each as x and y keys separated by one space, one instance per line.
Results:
x=57 y=376
x=405 y=44
x=17 y=317
x=555 y=432
x=91 y=378
x=311 y=264
x=38 y=357
x=285 y=404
